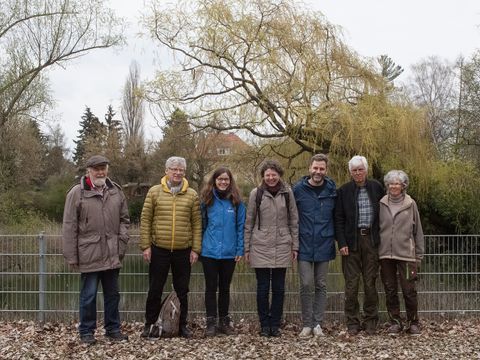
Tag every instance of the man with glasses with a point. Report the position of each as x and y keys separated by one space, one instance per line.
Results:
x=358 y=236
x=170 y=238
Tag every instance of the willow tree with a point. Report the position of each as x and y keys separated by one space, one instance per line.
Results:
x=36 y=35
x=274 y=69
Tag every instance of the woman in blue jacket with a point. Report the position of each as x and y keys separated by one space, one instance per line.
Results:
x=223 y=219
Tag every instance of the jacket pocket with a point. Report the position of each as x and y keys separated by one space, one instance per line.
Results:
x=412 y=247
x=89 y=249
x=284 y=236
x=122 y=246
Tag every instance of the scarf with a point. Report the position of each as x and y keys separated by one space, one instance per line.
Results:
x=273 y=189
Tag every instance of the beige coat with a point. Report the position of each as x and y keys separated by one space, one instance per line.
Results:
x=95 y=228
x=171 y=222
x=401 y=236
x=271 y=246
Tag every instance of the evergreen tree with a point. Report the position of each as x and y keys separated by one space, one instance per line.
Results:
x=113 y=145
x=91 y=131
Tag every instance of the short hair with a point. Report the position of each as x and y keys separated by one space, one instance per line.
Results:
x=319 y=157
x=175 y=161
x=396 y=175
x=272 y=165
x=356 y=161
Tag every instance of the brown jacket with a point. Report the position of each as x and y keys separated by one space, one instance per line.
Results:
x=95 y=228
x=401 y=236
x=171 y=222
x=271 y=246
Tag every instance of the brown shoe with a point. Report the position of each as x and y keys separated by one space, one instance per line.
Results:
x=353 y=330
x=394 y=329
x=414 y=329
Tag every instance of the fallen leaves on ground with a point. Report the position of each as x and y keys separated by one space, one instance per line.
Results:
x=453 y=339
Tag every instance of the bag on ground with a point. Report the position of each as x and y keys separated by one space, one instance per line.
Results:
x=169 y=318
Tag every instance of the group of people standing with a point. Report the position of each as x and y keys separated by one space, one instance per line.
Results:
x=280 y=226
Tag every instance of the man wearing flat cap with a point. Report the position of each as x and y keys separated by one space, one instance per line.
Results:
x=95 y=237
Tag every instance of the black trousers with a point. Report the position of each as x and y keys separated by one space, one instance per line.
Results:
x=218 y=275
x=270 y=312
x=161 y=262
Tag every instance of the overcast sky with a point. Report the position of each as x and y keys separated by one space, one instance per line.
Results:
x=407 y=31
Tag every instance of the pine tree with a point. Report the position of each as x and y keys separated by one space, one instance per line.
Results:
x=90 y=137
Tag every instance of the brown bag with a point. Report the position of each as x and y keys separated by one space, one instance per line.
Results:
x=169 y=318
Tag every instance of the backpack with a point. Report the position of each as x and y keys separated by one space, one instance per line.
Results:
x=169 y=318
x=258 y=201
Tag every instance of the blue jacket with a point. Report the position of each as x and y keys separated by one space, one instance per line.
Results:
x=222 y=229
x=316 y=220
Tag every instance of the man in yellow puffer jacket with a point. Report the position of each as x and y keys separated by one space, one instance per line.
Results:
x=170 y=237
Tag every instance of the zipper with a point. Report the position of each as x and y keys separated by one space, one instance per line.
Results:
x=173 y=221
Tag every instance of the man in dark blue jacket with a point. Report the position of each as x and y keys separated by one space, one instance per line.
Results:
x=315 y=198
x=358 y=236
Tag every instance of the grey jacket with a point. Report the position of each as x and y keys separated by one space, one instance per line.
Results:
x=271 y=246
x=95 y=228
x=401 y=236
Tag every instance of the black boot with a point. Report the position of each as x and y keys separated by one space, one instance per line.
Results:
x=185 y=332
x=224 y=326
x=211 y=326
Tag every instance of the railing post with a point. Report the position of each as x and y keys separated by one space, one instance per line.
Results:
x=41 y=278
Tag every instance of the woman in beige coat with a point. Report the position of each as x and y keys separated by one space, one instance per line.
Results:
x=271 y=243
x=400 y=251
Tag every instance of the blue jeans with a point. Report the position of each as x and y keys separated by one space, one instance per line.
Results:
x=270 y=315
x=88 y=301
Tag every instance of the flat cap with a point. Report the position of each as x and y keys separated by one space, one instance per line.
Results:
x=96 y=160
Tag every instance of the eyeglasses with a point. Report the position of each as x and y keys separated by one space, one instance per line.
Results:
x=223 y=179
x=177 y=170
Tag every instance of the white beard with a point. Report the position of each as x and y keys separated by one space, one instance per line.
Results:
x=98 y=182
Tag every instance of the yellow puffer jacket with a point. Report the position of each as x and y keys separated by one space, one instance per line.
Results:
x=170 y=221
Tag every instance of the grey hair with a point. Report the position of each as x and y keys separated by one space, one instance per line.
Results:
x=176 y=161
x=356 y=161
x=396 y=175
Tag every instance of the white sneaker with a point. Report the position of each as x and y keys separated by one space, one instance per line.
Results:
x=306 y=332
x=317 y=331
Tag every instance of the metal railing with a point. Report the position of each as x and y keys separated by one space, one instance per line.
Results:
x=35 y=282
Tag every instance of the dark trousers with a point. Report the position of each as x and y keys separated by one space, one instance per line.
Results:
x=361 y=263
x=161 y=262
x=88 y=301
x=270 y=315
x=218 y=275
x=388 y=270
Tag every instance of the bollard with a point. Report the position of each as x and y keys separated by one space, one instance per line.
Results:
x=41 y=278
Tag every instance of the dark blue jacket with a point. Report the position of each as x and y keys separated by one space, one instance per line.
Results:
x=315 y=217
x=223 y=227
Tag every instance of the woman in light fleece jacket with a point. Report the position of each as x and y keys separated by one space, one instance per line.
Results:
x=401 y=250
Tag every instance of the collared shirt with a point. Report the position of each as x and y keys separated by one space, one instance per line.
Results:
x=365 y=209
